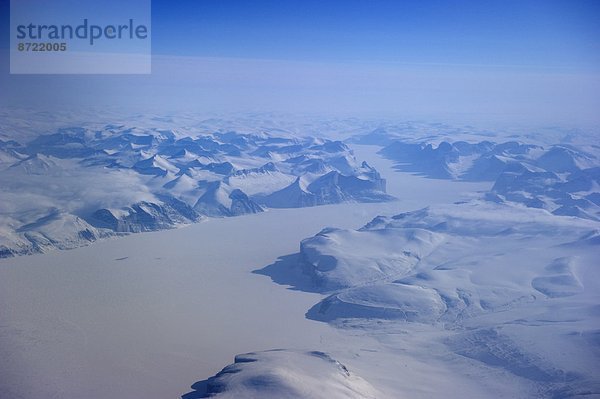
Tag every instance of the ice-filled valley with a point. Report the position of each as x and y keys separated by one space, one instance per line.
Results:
x=369 y=260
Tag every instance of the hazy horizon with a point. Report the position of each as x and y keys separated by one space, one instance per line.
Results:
x=535 y=62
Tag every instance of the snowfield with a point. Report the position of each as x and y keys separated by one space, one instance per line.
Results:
x=284 y=374
x=488 y=277
x=339 y=258
x=464 y=263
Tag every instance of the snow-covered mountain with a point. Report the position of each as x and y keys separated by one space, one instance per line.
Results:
x=125 y=179
x=571 y=194
x=55 y=229
x=364 y=185
x=561 y=178
x=145 y=216
x=331 y=257
x=279 y=373
x=220 y=199
x=484 y=278
x=460 y=160
x=494 y=294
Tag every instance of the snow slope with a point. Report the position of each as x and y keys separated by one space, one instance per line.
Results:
x=487 y=277
x=284 y=374
x=468 y=297
x=122 y=178
x=147 y=315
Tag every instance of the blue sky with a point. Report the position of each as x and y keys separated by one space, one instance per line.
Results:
x=540 y=33
x=543 y=33
x=533 y=61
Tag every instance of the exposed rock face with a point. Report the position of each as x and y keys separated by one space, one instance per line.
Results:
x=295 y=195
x=145 y=216
x=332 y=188
x=220 y=200
x=483 y=161
x=54 y=230
x=241 y=204
x=560 y=178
